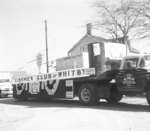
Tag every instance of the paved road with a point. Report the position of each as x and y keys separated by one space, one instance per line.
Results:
x=131 y=115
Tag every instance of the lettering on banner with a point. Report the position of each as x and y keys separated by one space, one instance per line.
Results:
x=23 y=79
x=71 y=73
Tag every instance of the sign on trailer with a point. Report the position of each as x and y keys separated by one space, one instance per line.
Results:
x=65 y=74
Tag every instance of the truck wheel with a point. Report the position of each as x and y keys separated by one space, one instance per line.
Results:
x=148 y=96
x=87 y=94
x=115 y=96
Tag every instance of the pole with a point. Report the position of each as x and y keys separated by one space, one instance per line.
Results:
x=46 y=41
x=126 y=43
x=126 y=48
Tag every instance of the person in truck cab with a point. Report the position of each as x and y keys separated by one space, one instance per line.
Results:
x=129 y=65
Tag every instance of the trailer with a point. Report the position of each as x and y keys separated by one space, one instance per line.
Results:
x=89 y=84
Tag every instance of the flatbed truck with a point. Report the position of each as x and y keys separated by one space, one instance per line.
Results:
x=89 y=84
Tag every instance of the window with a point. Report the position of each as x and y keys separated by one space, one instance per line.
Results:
x=142 y=63
x=130 y=63
x=69 y=54
x=96 y=49
x=147 y=60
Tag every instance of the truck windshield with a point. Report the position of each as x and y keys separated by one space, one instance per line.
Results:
x=130 y=63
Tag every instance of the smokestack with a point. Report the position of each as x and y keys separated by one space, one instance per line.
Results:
x=89 y=28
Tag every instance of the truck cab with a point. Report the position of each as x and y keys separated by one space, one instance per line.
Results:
x=134 y=75
x=136 y=62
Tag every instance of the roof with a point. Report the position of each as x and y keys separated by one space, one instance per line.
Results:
x=95 y=39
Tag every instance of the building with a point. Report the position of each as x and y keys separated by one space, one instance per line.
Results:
x=81 y=45
x=78 y=55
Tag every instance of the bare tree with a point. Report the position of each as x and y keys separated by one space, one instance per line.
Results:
x=120 y=21
x=144 y=8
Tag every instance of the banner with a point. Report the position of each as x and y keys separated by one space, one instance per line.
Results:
x=65 y=74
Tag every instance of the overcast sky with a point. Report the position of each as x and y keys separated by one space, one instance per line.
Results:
x=22 y=29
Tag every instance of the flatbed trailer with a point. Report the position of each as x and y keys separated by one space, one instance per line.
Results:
x=68 y=84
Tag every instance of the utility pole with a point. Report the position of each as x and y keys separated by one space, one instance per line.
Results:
x=46 y=41
x=126 y=44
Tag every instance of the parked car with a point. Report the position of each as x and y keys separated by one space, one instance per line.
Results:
x=6 y=88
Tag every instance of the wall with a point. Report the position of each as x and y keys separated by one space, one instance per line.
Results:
x=69 y=63
x=77 y=61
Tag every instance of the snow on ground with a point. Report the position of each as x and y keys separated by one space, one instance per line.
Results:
x=133 y=115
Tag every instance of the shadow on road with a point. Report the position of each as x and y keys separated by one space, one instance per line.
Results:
x=76 y=104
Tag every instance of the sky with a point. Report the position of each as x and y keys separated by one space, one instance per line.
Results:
x=22 y=34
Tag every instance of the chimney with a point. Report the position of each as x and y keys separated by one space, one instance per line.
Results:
x=89 y=28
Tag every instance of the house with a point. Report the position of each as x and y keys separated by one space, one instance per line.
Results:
x=82 y=44
x=78 y=55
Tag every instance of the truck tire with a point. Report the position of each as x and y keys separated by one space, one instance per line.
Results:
x=87 y=94
x=115 y=96
x=148 y=96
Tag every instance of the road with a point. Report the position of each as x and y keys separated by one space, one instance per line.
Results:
x=132 y=114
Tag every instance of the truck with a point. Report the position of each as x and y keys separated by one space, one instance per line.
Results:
x=133 y=78
x=105 y=78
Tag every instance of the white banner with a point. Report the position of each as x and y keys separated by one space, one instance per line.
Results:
x=65 y=74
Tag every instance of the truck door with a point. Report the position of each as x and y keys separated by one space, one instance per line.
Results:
x=140 y=75
x=96 y=57
x=131 y=77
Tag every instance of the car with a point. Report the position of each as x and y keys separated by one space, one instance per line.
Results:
x=6 y=88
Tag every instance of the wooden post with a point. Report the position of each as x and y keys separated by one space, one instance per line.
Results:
x=46 y=41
